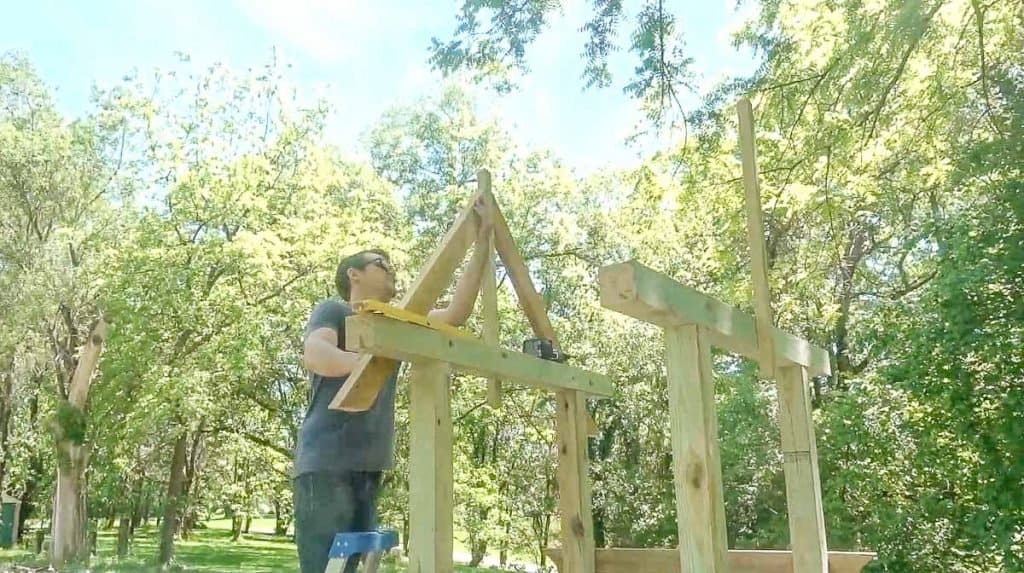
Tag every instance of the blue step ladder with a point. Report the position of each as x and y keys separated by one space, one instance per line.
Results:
x=369 y=544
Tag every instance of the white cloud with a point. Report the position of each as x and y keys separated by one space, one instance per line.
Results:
x=326 y=30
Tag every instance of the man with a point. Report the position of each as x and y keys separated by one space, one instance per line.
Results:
x=340 y=455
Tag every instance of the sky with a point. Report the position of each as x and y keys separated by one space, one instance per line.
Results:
x=364 y=56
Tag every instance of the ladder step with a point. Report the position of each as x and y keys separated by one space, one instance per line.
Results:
x=346 y=544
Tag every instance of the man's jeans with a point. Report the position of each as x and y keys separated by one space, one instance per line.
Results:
x=331 y=503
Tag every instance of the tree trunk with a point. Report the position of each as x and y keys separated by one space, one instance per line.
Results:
x=173 y=501
x=405 y=532
x=248 y=524
x=67 y=534
x=280 y=527
x=40 y=537
x=193 y=465
x=236 y=527
x=124 y=532
x=503 y=554
x=67 y=539
x=6 y=412
x=477 y=552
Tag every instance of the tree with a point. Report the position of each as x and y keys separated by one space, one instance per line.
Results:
x=491 y=40
x=56 y=180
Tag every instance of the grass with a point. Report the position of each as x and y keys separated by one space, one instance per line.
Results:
x=209 y=551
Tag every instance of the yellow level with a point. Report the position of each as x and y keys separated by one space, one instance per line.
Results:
x=378 y=307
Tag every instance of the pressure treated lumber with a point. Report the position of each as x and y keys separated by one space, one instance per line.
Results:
x=394 y=339
x=700 y=506
x=489 y=302
x=738 y=561
x=574 y=491
x=756 y=240
x=800 y=464
x=643 y=293
x=430 y=469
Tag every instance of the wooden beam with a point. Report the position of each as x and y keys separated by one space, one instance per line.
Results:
x=489 y=303
x=489 y=308
x=519 y=275
x=738 y=561
x=699 y=503
x=755 y=238
x=382 y=336
x=638 y=291
x=574 y=499
x=360 y=391
x=800 y=464
x=430 y=470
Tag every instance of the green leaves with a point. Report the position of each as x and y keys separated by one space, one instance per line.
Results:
x=500 y=49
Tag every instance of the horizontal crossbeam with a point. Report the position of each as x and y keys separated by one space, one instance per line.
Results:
x=381 y=336
x=638 y=291
x=738 y=561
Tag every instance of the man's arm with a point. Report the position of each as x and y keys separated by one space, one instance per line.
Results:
x=322 y=351
x=321 y=355
x=468 y=284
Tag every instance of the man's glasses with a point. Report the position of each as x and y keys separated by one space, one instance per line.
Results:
x=380 y=262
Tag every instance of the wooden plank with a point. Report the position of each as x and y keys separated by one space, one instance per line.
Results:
x=519 y=275
x=755 y=238
x=382 y=336
x=800 y=464
x=574 y=499
x=359 y=392
x=431 y=536
x=715 y=490
x=702 y=544
x=489 y=306
x=739 y=561
x=638 y=291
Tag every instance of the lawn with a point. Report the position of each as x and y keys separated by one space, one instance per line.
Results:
x=209 y=551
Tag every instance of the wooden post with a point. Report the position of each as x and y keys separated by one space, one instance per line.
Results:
x=430 y=469
x=489 y=296
x=574 y=483
x=698 y=476
x=803 y=485
x=755 y=238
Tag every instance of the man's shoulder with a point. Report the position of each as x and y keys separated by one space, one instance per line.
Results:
x=328 y=313
x=332 y=305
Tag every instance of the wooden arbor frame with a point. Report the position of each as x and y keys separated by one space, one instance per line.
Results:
x=692 y=324
x=434 y=353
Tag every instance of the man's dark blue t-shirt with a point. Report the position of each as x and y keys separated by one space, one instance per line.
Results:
x=334 y=441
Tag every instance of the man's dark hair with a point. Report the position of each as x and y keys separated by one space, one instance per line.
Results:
x=357 y=261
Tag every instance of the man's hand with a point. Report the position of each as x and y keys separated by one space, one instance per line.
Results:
x=485 y=217
x=468 y=286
